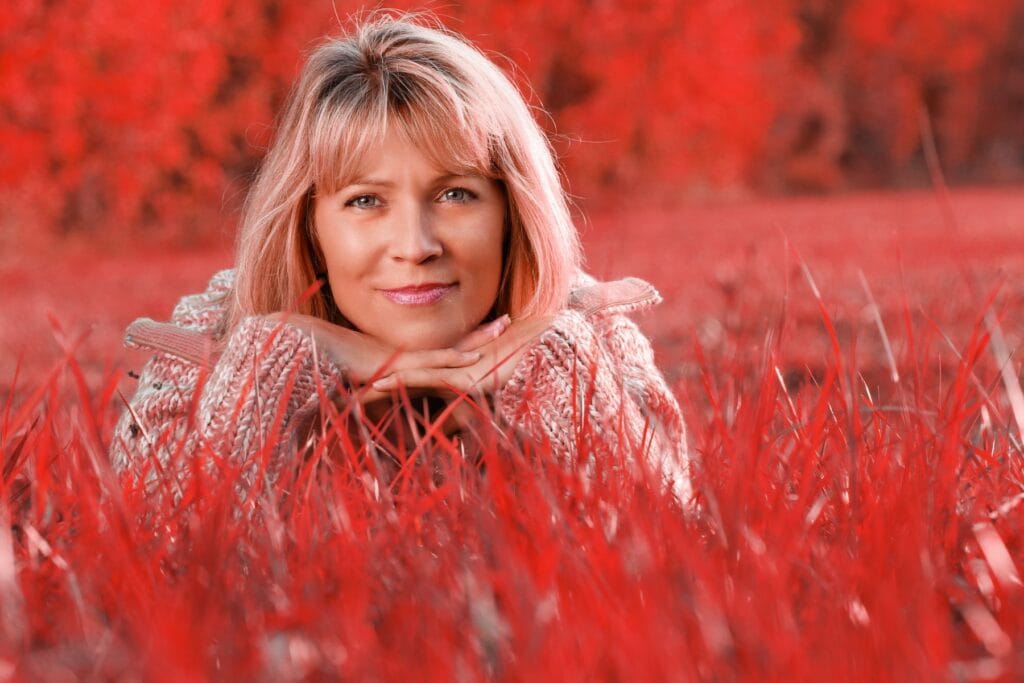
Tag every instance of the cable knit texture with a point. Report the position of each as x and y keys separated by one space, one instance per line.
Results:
x=587 y=382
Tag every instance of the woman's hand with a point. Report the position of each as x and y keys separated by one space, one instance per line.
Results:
x=484 y=334
x=498 y=359
x=364 y=358
x=493 y=370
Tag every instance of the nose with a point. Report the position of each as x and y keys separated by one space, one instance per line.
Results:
x=413 y=235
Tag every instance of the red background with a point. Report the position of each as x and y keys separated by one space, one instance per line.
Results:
x=123 y=118
x=760 y=162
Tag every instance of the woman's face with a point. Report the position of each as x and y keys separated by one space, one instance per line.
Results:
x=413 y=252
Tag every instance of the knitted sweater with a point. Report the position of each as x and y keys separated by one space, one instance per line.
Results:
x=591 y=365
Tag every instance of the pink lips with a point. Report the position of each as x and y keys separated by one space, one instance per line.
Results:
x=421 y=295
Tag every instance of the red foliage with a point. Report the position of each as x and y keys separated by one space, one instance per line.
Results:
x=853 y=525
x=938 y=56
x=846 y=527
x=122 y=117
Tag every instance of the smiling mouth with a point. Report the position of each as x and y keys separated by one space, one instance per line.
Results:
x=418 y=296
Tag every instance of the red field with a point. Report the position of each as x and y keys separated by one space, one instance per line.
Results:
x=860 y=505
x=722 y=269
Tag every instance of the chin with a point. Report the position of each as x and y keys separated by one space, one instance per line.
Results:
x=424 y=337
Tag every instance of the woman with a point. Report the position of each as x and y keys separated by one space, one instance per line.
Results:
x=409 y=181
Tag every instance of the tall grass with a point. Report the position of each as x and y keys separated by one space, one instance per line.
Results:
x=848 y=523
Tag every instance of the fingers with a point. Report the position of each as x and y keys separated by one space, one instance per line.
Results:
x=479 y=377
x=364 y=357
x=368 y=396
x=485 y=333
x=441 y=358
x=453 y=370
x=452 y=379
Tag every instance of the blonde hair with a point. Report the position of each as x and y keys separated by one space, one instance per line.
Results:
x=457 y=107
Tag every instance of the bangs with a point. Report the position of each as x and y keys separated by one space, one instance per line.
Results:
x=456 y=108
x=346 y=128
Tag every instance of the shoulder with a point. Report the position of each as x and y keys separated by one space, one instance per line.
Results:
x=595 y=324
x=594 y=299
x=205 y=311
x=196 y=321
x=600 y=307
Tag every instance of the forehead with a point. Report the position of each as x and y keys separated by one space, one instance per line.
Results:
x=346 y=153
x=396 y=156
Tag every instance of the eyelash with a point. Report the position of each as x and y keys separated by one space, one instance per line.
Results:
x=468 y=195
x=353 y=202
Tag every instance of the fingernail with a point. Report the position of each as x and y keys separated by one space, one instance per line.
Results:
x=499 y=324
x=384 y=383
x=472 y=355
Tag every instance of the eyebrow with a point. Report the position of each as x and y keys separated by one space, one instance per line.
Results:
x=378 y=182
x=370 y=181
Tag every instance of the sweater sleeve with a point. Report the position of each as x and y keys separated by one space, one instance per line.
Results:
x=589 y=387
x=248 y=408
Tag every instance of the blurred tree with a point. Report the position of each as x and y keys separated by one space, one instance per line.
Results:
x=120 y=117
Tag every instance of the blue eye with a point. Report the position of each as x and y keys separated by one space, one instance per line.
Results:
x=364 y=201
x=458 y=195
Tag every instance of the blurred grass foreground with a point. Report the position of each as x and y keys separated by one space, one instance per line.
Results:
x=859 y=500
x=847 y=362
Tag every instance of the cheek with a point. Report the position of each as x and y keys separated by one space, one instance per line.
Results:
x=491 y=249
x=345 y=257
x=483 y=258
x=342 y=251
